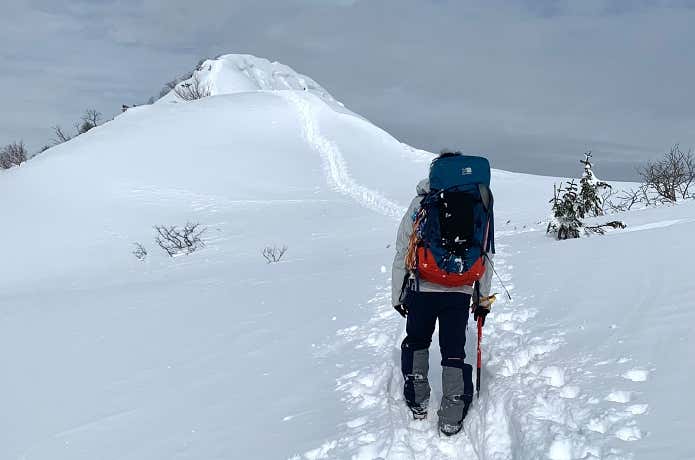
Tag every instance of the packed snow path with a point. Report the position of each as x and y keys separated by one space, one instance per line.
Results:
x=334 y=164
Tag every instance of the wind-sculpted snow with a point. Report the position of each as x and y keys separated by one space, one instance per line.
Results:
x=236 y=73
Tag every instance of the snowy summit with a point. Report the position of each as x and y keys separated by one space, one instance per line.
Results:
x=238 y=73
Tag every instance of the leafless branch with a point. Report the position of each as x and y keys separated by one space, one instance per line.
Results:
x=672 y=176
x=140 y=251
x=601 y=229
x=688 y=163
x=92 y=116
x=193 y=89
x=60 y=135
x=177 y=241
x=273 y=254
x=607 y=195
x=90 y=119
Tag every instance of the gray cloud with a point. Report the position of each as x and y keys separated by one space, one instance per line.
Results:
x=530 y=83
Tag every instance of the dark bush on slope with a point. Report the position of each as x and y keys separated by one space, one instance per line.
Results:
x=13 y=154
x=672 y=176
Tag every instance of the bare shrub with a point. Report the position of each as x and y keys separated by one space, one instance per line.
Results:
x=642 y=196
x=170 y=85
x=193 y=89
x=13 y=154
x=92 y=117
x=175 y=240
x=273 y=254
x=672 y=176
x=89 y=120
x=608 y=200
x=140 y=252
x=60 y=135
x=623 y=202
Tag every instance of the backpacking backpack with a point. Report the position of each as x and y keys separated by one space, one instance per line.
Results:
x=454 y=227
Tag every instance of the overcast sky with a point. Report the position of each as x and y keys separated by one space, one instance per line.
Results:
x=530 y=83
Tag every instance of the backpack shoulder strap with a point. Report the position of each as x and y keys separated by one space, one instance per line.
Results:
x=485 y=195
x=488 y=203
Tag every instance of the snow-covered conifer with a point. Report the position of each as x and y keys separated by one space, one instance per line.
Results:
x=590 y=201
x=566 y=221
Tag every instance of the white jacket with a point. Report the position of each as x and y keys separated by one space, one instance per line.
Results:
x=399 y=270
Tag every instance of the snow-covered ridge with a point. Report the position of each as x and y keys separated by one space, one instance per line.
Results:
x=237 y=73
x=222 y=355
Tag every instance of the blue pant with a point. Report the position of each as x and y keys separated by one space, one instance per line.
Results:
x=424 y=309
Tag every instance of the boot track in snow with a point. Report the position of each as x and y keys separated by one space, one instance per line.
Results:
x=529 y=407
x=334 y=165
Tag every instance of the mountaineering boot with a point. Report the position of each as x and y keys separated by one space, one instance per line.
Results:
x=450 y=429
x=416 y=388
x=419 y=412
x=456 y=399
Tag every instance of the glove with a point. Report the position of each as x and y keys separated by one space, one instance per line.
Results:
x=483 y=307
x=401 y=309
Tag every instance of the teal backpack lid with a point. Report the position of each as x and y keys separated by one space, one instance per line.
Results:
x=456 y=170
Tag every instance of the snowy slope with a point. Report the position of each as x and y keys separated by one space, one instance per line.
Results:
x=200 y=356
x=218 y=355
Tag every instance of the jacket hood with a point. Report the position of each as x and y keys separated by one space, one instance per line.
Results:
x=423 y=187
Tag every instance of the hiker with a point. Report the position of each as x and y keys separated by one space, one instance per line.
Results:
x=443 y=266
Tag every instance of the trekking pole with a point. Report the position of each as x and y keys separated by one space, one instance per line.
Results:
x=480 y=356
